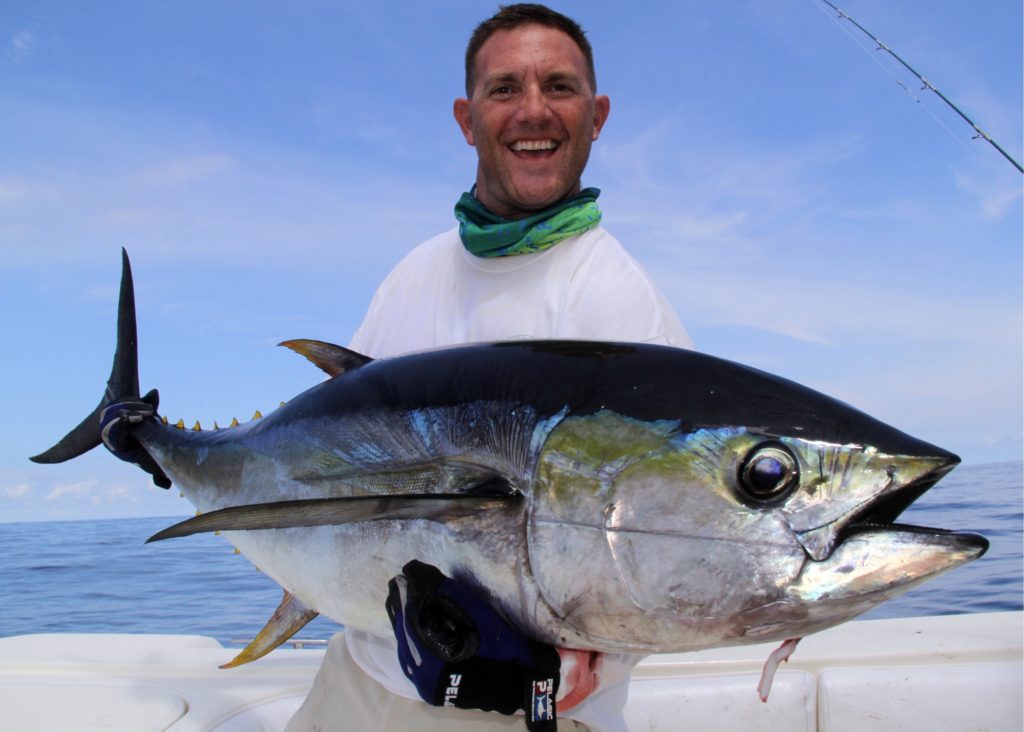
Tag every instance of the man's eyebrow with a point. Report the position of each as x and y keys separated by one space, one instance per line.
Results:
x=569 y=76
x=505 y=77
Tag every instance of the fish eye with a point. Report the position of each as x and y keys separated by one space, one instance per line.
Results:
x=768 y=473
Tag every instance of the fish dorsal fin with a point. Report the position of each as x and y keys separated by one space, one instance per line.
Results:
x=289 y=618
x=328 y=357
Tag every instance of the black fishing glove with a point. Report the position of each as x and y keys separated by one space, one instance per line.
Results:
x=116 y=422
x=459 y=652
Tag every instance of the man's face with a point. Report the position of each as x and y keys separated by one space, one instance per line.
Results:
x=532 y=117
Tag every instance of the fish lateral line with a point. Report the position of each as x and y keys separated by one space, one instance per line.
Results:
x=663 y=532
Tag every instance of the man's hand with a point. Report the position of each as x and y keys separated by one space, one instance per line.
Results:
x=459 y=652
x=116 y=422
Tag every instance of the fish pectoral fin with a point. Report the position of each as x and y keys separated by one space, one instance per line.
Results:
x=289 y=618
x=338 y=511
x=332 y=359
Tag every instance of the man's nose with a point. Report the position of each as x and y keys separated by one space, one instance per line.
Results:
x=534 y=107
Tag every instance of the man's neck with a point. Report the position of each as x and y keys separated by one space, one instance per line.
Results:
x=514 y=213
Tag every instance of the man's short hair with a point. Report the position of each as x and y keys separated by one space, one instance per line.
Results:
x=514 y=16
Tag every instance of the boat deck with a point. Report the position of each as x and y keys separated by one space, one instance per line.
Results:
x=933 y=674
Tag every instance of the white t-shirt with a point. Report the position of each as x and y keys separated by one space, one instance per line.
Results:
x=586 y=287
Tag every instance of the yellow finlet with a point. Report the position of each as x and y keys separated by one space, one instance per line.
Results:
x=291 y=615
x=281 y=404
x=164 y=419
x=215 y=425
x=197 y=427
x=237 y=550
x=234 y=421
x=180 y=424
x=257 y=415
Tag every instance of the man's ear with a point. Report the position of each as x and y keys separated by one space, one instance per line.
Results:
x=464 y=116
x=602 y=107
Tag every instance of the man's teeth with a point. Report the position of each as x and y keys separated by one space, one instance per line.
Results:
x=521 y=145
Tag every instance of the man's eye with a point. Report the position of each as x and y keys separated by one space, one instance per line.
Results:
x=501 y=91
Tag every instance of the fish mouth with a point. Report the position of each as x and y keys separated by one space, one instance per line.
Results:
x=887 y=507
x=866 y=554
x=882 y=513
x=955 y=540
x=908 y=480
x=876 y=563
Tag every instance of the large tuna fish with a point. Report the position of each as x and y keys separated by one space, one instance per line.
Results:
x=606 y=496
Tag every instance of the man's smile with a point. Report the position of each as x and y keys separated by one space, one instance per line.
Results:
x=533 y=145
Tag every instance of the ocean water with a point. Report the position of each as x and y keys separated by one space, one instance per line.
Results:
x=99 y=576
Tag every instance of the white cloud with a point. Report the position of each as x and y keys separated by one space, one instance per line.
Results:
x=996 y=196
x=92 y=492
x=116 y=494
x=22 y=44
x=63 y=491
x=13 y=192
x=653 y=165
x=256 y=210
x=814 y=311
x=22 y=191
x=128 y=217
x=189 y=169
x=18 y=491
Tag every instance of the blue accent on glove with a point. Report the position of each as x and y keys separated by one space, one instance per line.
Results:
x=117 y=421
x=458 y=651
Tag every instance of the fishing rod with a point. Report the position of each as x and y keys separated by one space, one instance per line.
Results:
x=927 y=85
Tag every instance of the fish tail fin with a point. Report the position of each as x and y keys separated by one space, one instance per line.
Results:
x=123 y=383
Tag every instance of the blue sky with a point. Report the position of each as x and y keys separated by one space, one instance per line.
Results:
x=804 y=206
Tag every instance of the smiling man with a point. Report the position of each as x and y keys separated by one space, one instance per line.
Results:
x=528 y=259
x=532 y=114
